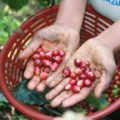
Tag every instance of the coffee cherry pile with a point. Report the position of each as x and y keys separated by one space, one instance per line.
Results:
x=113 y=91
x=47 y=62
x=81 y=77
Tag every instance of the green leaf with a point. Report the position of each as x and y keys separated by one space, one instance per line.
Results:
x=19 y=117
x=57 y=1
x=76 y=108
x=29 y=97
x=15 y=4
x=2 y=98
x=97 y=103
x=52 y=111
x=44 y=3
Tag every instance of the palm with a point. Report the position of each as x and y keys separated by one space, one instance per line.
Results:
x=49 y=38
x=104 y=70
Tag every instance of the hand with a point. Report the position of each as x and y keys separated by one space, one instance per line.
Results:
x=51 y=37
x=102 y=64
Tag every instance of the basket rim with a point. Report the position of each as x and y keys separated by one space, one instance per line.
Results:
x=25 y=109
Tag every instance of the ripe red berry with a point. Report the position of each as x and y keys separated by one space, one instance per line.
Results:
x=54 y=52
x=46 y=69
x=61 y=53
x=117 y=82
x=41 y=55
x=46 y=62
x=43 y=76
x=68 y=87
x=48 y=55
x=37 y=62
x=66 y=72
x=73 y=75
x=40 y=49
x=54 y=66
x=35 y=56
x=91 y=76
x=58 y=59
x=75 y=89
x=87 y=70
x=78 y=62
x=83 y=76
x=72 y=81
x=87 y=63
x=36 y=70
x=80 y=83
x=83 y=65
x=117 y=77
x=87 y=82
x=78 y=71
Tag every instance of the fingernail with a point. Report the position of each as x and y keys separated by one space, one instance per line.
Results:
x=48 y=97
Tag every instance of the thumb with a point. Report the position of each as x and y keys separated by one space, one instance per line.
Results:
x=103 y=84
x=31 y=48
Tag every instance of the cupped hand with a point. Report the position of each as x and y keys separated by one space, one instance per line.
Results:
x=49 y=38
x=102 y=63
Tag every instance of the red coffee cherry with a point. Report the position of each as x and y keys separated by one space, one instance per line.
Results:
x=78 y=71
x=46 y=63
x=61 y=53
x=83 y=76
x=58 y=59
x=73 y=75
x=80 y=83
x=66 y=72
x=41 y=55
x=43 y=76
x=91 y=76
x=72 y=81
x=48 y=55
x=78 y=62
x=87 y=63
x=37 y=62
x=35 y=56
x=76 y=89
x=54 y=66
x=54 y=52
x=39 y=49
x=83 y=65
x=46 y=69
x=87 y=82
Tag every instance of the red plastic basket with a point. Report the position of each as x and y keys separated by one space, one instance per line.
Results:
x=11 y=69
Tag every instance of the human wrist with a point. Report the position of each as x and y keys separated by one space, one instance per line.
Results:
x=66 y=25
x=71 y=13
x=110 y=37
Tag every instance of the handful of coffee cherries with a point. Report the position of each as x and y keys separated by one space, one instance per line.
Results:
x=46 y=62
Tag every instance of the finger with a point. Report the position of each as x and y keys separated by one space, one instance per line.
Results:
x=31 y=48
x=75 y=98
x=29 y=70
x=34 y=82
x=55 y=91
x=41 y=87
x=55 y=78
x=103 y=84
x=58 y=100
